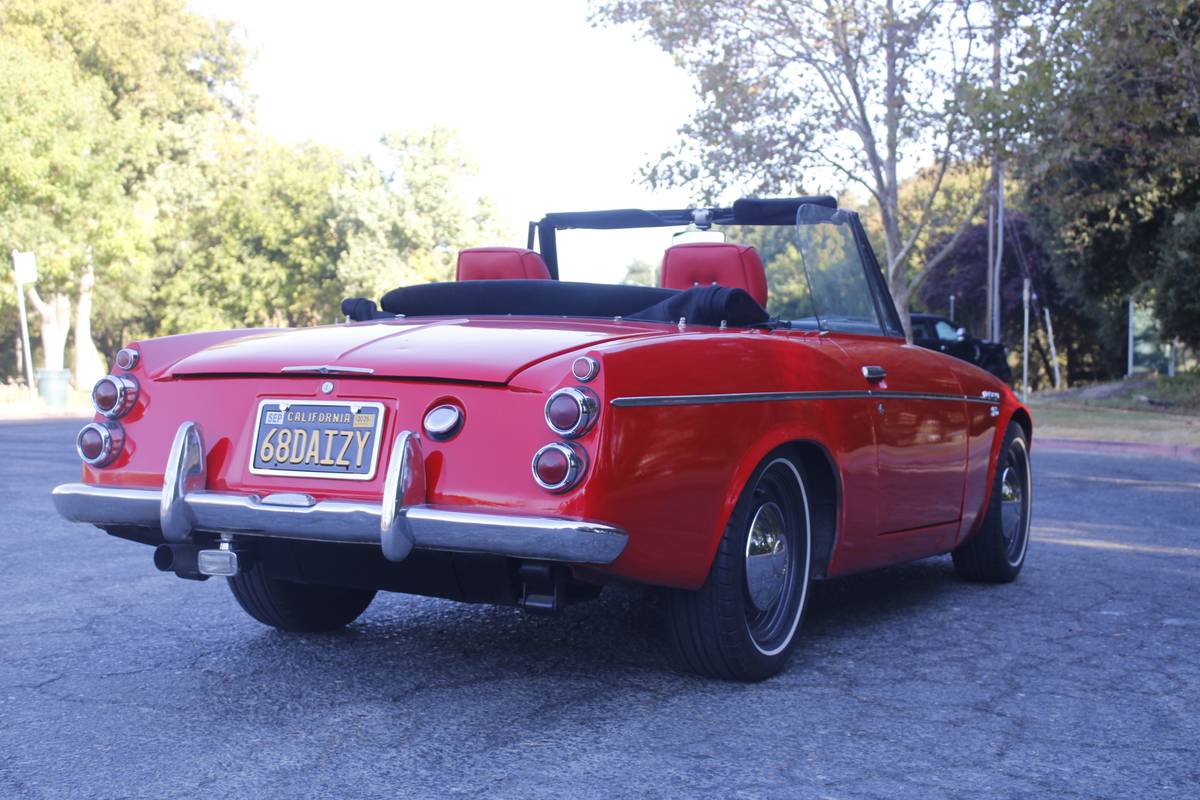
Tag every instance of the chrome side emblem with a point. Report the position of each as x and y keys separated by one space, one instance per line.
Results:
x=993 y=396
x=327 y=387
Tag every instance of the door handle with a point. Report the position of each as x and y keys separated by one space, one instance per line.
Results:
x=873 y=373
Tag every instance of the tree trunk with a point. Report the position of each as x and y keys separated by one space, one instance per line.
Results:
x=55 y=316
x=900 y=295
x=89 y=367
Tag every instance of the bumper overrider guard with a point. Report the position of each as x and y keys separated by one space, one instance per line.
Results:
x=401 y=522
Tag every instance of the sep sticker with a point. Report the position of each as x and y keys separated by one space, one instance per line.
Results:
x=274 y=418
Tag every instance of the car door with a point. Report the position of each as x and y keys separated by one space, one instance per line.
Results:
x=920 y=432
x=920 y=418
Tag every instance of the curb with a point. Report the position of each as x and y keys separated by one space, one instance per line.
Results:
x=1178 y=451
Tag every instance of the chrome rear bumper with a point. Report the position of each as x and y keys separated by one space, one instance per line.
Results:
x=402 y=521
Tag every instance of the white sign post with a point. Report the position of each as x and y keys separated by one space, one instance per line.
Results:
x=25 y=271
x=1025 y=349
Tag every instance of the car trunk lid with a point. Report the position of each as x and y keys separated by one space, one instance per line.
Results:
x=488 y=350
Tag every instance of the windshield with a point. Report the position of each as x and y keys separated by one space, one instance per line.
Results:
x=816 y=276
x=834 y=271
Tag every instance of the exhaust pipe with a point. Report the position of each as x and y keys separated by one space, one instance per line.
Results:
x=182 y=559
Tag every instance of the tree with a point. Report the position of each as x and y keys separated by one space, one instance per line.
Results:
x=129 y=165
x=854 y=89
x=962 y=274
x=1111 y=157
x=58 y=179
x=640 y=272
x=405 y=214
x=101 y=88
x=252 y=232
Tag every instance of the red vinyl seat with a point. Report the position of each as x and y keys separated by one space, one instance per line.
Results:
x=736 y=266
x=500 y=263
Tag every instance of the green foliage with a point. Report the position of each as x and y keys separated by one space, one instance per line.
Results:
x=125 y=132
x=1112 y=161
x=59 y=189
x=1177 y=279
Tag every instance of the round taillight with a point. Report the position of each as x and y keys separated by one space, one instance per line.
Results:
x=114 y=395
x=558 y=466
x=105 y=396
x=442 y=422
x=127 y=358
x=571 y=412
x=91 y=444
x=585 y=368
x=99 y=443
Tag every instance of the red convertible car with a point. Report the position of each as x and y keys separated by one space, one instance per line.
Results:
x=512 y=438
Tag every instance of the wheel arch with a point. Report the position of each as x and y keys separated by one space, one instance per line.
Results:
x=1022 y=418
x=823 y=491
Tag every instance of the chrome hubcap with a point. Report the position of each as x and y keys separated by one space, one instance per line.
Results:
x=766 y=557
x=1014 y=502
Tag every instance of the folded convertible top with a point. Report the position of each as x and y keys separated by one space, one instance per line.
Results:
x=700 y=305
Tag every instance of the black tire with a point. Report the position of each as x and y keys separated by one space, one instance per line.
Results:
x=997 y=551
x=297 y=607
x=718 y=630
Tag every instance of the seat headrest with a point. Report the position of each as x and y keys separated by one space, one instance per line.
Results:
x=703 y=263
x=500 y=263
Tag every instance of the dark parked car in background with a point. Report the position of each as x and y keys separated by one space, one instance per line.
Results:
x=939 y=333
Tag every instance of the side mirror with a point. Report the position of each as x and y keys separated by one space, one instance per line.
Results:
x=962 y=334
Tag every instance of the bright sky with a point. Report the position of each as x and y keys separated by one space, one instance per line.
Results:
x=559 y=115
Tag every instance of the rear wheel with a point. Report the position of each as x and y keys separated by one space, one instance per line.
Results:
x=741 y=624
x=997 y=551
x=297 y=607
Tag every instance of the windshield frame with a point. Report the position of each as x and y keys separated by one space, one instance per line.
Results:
x=745 y=211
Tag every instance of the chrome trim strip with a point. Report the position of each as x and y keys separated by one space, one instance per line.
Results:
x=739 y=397
x=762 y=397
x=460 y=529
x=329 y=369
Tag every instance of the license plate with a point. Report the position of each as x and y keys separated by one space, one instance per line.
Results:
x=317 y=439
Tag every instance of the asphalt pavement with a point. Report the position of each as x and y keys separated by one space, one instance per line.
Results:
x=1082 y=679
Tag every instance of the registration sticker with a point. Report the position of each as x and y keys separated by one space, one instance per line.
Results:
x=317 y=439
